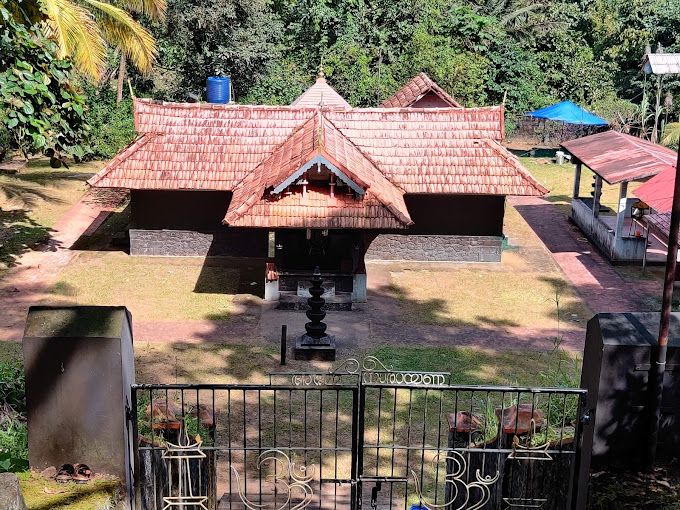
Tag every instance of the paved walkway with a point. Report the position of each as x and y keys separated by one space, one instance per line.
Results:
x=36 y=271
x=596 y=281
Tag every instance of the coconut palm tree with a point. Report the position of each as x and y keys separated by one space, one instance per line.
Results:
x=85 y=28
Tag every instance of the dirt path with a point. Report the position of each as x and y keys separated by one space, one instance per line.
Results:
x=28 y=282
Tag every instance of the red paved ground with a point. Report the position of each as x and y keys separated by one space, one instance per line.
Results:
x=26 y=284
x=596 y=281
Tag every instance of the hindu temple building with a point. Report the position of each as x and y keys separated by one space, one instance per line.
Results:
x=319 y=182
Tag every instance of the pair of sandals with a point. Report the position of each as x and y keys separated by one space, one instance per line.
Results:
x=78 y=473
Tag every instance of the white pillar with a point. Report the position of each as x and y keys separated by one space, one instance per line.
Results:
x=577 y=179
x=621 y=212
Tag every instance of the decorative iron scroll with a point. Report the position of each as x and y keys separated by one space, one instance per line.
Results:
x=286 y=475
x=524 y=502
x=370 y=370
x=528 y=452
x=454 y=480
x=183 y=455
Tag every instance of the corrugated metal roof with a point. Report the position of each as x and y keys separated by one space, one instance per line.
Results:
x=657 y=192
x=661 y=63
x=660 y=224
x=414 y=90
x=617 y=157
x=320 y=93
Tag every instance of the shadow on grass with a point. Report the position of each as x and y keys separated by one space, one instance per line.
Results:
x=19 y=233
x=96 y=494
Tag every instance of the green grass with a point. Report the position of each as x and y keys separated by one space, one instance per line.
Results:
x=487 y=298
x=42 y=493
x=559 y=179
x=43 y=195
x=153 y=288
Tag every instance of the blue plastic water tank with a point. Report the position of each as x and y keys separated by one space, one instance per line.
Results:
x=218 y=89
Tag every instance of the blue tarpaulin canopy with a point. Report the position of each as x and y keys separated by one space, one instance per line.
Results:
x=568 y=112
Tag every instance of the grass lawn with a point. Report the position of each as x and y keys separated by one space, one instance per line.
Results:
x=478 y=297
x=559 y=179
x=153 y=288
x=42 y=493
x=44 y=195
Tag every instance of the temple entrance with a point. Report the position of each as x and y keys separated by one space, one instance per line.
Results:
x=330 y=250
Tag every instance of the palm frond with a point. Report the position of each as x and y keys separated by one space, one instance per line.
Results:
x=154 y=9
x=513 y=15
x=121 y=30
x=77 y=34
x=671 y=135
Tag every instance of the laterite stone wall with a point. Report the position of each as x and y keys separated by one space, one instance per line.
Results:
x=442 y=248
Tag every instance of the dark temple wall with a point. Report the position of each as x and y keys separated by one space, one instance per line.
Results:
x=470 y=215
x=179 y=210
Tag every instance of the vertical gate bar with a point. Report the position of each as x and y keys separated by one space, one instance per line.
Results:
x=135 y=450
x=275 y=446
x=245 y=449
x=229 y=442
x=394 y=427
x=564 y=414
x=335 y=452
x=153 y=450
x=472 y=400
x=320 y=445
x=199 y=423
x=183 y=428
x=358 y=402
x=550 y=396
x=578 y=482
x=377 y=449
x=422 y=454
x=408 y=443
x=305 y=425
x=439 y=445
x=259 y=440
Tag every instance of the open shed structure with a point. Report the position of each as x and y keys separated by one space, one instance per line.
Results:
x=616 y=159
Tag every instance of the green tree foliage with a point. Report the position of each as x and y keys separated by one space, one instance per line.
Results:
x=40 y=107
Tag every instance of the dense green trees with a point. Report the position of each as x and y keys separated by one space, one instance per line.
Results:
x=532 y=53
x=39 y=106
x=526 y=52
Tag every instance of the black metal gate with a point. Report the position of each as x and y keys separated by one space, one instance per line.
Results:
x=359 y=436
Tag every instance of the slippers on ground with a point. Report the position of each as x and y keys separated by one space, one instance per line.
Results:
x=65 y=473
x=83 y=473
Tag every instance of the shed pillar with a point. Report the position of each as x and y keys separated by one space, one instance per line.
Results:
x=596 y=198
x=577 y=178
x=621 y=211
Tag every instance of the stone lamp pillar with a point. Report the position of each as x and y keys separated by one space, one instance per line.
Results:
x=315 y=344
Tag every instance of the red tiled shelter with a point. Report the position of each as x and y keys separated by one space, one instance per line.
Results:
x=319 y=182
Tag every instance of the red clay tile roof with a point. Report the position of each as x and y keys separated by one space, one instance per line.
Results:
x=657 y=192
x=247 y=149
x=320 y=92
x=316 y=137
x=319 y=210
x=618 y=157
x=414 y=90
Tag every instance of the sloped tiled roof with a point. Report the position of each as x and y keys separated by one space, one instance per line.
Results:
x=386 y=151
x=320 y=93
x=661 y=63
x=414 y=90
x=319 y=210
x=316 y=137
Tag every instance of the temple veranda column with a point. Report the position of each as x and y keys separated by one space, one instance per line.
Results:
x=577 y=179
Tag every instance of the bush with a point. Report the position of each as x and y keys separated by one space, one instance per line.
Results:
x=112 y=125
x=13 y=429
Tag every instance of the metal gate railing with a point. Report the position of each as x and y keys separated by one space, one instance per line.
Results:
x=358 y=436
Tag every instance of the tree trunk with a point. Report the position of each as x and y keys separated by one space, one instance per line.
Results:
x=121 y=78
